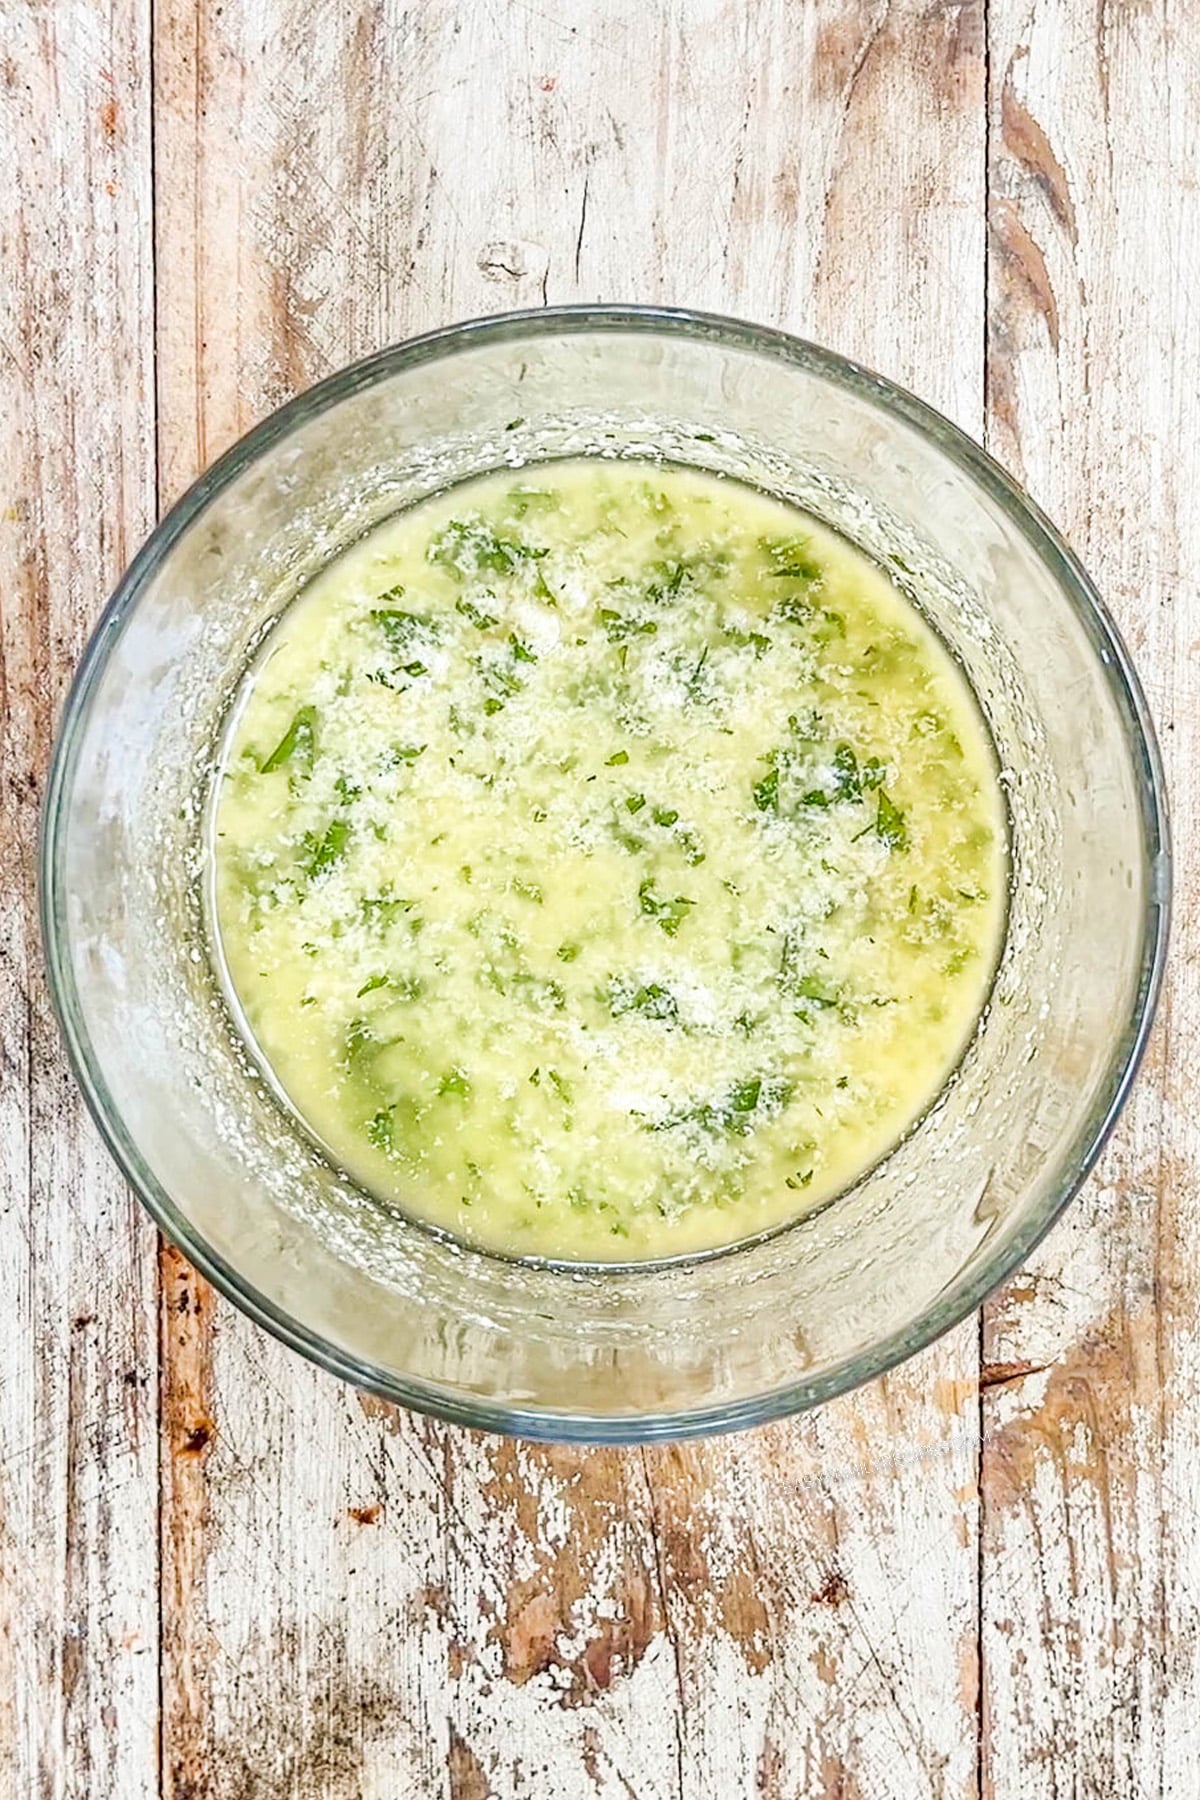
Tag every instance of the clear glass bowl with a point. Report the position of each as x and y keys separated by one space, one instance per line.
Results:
x=758 y=1331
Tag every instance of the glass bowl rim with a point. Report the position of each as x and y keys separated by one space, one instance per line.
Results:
x=962 y=1296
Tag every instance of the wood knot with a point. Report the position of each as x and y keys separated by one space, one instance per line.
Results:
x=197 y=1437
x=833 y=1590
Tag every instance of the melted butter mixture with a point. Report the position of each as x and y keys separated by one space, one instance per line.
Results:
x=607 y=861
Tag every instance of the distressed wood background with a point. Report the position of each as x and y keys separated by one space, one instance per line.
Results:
x=224 y=1575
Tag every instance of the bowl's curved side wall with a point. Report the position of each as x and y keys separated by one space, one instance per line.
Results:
x=763 y=1330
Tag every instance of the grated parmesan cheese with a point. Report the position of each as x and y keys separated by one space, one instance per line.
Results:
x=608 y=862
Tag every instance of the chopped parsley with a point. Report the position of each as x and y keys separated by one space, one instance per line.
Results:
x=890 y=826
x=397 y=754
x=619 y=627
x=474 y=547
x=766 y=791
x=668 y=914
x=482 y=621
x=404 y=631
x=561 y=1087
x=792 y=559
x=297 y=746
x=848 y=779
x=321 y=853
x=741 y=1109
x=758 y=641
x=379 y=1128
x=500 y=683
x=652 y=1000
x=816 y=994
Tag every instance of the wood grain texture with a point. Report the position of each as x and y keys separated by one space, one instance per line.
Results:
x=449 y=1614
x=875 y=1603
x=78 y=1392
x=1091 y=1571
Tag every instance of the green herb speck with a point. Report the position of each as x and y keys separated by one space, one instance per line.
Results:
x=321 y=853
x=766 y=792
x=620 y=626
x=669 y=915
x=562 y=1087
x=379 y=1129
x=792 y=559
x=744 y=1097
x=889 y=824
x=297 y=745
x=473 y=547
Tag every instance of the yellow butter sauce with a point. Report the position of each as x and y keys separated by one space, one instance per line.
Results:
x=608 y=861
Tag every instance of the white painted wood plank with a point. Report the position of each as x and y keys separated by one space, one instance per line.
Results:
x=768 y=160
x=1091 y=1573
x=779 y=1615
x=78 y=1389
